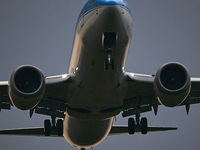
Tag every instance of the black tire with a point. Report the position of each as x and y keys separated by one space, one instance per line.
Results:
x=47 y=127
x=112 y=64
x=144 y=126
x=131 y=126
x=59 y=127
x=106 y=64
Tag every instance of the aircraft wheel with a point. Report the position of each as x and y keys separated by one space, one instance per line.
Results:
x=47 y=127
x=131 y=126
x=112 y=64
x=59 y=126
x=144 y=125
x=106 y=64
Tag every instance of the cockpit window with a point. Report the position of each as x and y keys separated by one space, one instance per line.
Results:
x=124 y=1
x=92 y=1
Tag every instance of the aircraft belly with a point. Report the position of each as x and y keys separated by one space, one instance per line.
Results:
x=95 y=105
x=98 y=92
x=82 y=133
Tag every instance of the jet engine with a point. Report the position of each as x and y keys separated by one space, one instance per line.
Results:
x=26 y=87
x=172 y=84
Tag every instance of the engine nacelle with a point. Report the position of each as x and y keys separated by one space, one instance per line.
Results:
x=172 y=84
x=26 y=87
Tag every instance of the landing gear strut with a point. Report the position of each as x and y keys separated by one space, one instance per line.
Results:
x=109 y=62
x=109 y=41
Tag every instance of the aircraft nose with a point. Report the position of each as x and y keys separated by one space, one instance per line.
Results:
x=112 y=2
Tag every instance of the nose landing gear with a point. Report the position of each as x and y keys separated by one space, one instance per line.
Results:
x=109 y=41
x=109 y=62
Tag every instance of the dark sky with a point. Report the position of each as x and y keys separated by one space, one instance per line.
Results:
x=41 y=33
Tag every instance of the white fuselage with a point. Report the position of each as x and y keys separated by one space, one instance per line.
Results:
x=98 y=93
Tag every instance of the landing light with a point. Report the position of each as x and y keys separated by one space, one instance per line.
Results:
x=64 y=75
x=132 y=74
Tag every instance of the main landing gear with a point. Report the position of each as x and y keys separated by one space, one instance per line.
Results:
x=58 y=127
x=109 y=41
x=49 y=126
x=142 y=124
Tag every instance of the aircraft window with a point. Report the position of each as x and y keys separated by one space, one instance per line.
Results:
x=92 y=1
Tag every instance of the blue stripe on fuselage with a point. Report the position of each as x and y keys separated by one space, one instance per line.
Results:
x=99 y=3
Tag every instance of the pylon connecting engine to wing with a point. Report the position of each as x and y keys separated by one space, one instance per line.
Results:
x=172 y=84
x=26 y=87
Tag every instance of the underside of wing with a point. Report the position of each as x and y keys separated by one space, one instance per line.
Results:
x=4 y=100
x=28 y=89
x=195 y=91
x=55 y=98
x=171 y=86
x=140 y=88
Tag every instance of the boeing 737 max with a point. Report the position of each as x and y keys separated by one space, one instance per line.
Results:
x=97 y=88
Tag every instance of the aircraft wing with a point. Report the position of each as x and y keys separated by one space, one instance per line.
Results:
x=38 y=131
x=55 y=96
x=142 y=85
x=115 y=130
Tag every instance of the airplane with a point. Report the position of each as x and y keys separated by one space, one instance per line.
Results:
x=97 y=84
